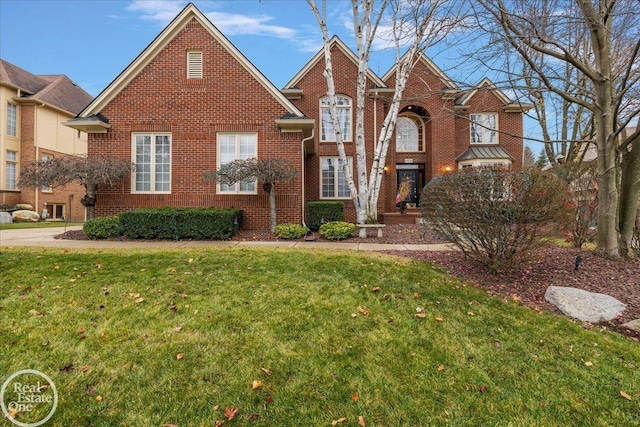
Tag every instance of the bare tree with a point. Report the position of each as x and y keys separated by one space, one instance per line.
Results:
x=602 y=77
x=415 y=26
x=268 y=171
x=89 y=171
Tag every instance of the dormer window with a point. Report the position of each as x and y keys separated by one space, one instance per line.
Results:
x=194 y=64
x=484 y=128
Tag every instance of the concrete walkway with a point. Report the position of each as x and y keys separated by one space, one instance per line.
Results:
x=45 y=237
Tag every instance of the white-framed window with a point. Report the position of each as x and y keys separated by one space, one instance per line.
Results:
x=46 y=158
x=11 y=174
x=12 y=119
x=55 y=211
x=327 y=131
x=194 y=64
x=333 y=182
x=151 y=152
x=237 y=146
x=484 y=128
x=409 y=134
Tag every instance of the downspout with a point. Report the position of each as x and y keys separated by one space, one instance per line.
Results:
x=36 y=205
x=313 y=130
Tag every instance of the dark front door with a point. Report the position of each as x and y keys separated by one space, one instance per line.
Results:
x=413 y=176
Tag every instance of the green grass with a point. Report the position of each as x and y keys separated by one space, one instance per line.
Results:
x=314 y=320
x=41 y=224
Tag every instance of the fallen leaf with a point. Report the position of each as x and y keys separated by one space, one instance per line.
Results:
x=338 y=421
x=482 y=388
x=12 y=413
x=421 y=315
x=179 y=356
x=363 y=311
x=441 y=368
x=266 y=371
x=416 y=295
x=516 y=298
x=361 y=422
x=354 y=315
x=178 y=328
x=33 y=311
x=219 y=423
x=139 y=300
x=98 y=265
x=375 y=289
x=91 y=390
x=190 y=260
x=256 y=384
x=588 y=363
x=85 y=368
x=99 y=398
x=625 y=395
x=440 y=319
x=419 y=309
x=229 y=413
x=355 y=397
x=67 y=368
x=215 y=408
x=471 y=313
x=254 y=417
x=169 y=425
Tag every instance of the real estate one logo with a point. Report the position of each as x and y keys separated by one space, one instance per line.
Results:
x=29 y=398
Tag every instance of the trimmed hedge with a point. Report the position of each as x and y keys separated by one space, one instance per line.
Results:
x=181 y=223
x=337 y=230
x=102 y=227
x=290 y=231
x=324 y=210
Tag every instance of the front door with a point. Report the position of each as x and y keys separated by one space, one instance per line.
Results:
x=413 y=176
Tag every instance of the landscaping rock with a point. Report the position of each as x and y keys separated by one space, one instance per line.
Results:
x=582 y=305
x=24 y=207
x=25 y=216
x=634 y=325
x=5 y=218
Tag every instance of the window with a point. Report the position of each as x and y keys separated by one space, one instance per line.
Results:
x=333 y=181
x=12 y=170
x=237 y=146
x=327 y=131
x=46 y=158
x=152 y=156
x=12 y=114
x=194 y=65
x=55 y=211
x=484 y=128
x=409 y=134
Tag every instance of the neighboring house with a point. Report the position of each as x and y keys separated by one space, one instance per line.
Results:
x=191 y=102
x=32 y=109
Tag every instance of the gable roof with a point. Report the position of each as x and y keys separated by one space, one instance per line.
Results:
x=486 y=84
x=160 y=42
x=431 y=66
x=334 y=42
x=57 y=91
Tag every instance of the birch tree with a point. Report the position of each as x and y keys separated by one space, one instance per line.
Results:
x=603 y=77
x=415 y=26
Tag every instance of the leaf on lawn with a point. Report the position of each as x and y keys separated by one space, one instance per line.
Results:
x=441 y=368
x=219 y=423
x=354 y=315
x=416 y=295
x=266 y=371
x=33 y=311
x=169 y=425
x=99 y=398
x=91 y=390
x=139 y=300
x=338 y=421
x=85 y=368
x=254 y=417
x=363 y=311
x=12 y=413
x=440 y=319
x=625 y=395
x=375 y=289
x=361 y=422
x=229 y=413
x=516 y=298
x=178 y=328
x=355 y=397
x=67 y=368
x=482 y=388
x=588 y=364
x=134 y=294
x=269 y=400
x=421 y=315
x=471 y=313
x=256 y=384
x=179 y=356
x=190 y=260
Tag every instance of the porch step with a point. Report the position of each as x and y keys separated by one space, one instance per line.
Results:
x=412 y=216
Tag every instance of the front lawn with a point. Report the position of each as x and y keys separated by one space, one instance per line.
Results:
x=297 y=338
x=40 y=224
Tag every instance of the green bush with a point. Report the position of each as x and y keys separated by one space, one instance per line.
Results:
x=320 y=212
x=337 y=230
x=102 y=227
x=181 y=223
x=290 y=231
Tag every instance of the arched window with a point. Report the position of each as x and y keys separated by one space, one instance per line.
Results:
x=409 y=133
x=327 y=132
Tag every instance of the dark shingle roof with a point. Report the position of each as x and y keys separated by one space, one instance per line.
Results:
x=56 y=90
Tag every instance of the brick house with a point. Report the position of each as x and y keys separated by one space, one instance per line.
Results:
x=191 y=101
x=32 y=109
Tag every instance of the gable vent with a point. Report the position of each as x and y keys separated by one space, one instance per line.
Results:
x=194 y=65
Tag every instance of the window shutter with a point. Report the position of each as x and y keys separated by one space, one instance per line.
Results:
x=194 y=65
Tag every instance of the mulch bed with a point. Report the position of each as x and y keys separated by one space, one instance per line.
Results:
x=550 y=265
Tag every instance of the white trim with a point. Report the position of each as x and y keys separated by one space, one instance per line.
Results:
x=152 y=172
x=237 y=157
x=336 y=175
x=485 y=129
x=421 y=132
x=194 y=64
x=348 y=135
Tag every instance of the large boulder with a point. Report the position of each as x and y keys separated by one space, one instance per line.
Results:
x=5 y=218
x=25 y=216
x=582 y=305
x=24 y=207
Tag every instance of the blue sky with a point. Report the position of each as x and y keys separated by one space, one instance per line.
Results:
x=93 y=41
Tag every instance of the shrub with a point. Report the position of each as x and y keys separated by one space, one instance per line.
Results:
x=290 y=231
x=495 y=216
x=320 y=211
x=181 y=223
x=337 y=230
x=102 y=227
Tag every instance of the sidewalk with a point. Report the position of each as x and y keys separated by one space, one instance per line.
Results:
x=44 y=237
